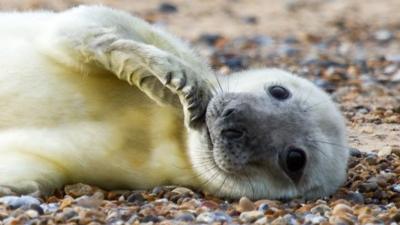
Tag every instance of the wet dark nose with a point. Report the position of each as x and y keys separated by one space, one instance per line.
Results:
x=228 y=112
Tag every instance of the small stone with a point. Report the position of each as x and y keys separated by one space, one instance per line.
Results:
x=210 y=217
x=89 y=201
x=234 y=63
x=263 y=207
x=355 y=152
x=15 y=201
x=385 y=151
x=368 y=186
x=396 y=217
x=285 y=220
x=251 y=216
x=66 y=202
x=66 y=214
x=135 y=197
x=166 y=7
x=37 y=208
x=32 y=213
x=49 y=208
x=314 y=219
x=371 y=159
x=383 y=35
x=393 y=58
x=341 y=220
x=185 y=217
x=210 y=39
x=245 y=205
x=210 y=204
x=78 y=190
x=150 y=218
x=261 y=221
x=6 y=192
x=341 y=208
x=250 y=19
x=320 y=209
x=355 y=197
x=182 y=191
x=396 y=188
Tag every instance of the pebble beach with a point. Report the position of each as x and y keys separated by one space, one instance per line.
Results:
x=356 y=59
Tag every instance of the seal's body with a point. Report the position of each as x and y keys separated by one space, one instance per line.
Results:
x=97 y=96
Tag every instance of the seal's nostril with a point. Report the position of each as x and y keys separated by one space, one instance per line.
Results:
x=227 y=112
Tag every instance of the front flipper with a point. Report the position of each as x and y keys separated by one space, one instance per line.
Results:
x=161 y=75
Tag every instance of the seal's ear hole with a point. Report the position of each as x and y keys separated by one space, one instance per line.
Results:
x=279 y=92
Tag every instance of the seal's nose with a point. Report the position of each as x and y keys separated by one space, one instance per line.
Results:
x=228 y=112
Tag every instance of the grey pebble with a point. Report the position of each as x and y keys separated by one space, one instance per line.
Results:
x=320 y=209
x=396 y=188
x=50 y=208
x=355 y=197
x=250 y=216
x=263 y=207
x=136 y=198
x=168 y=8
x=314 y=219
x=353 y=151
x=211 y=217
x=368 y=186
x=185 y=217
x=16 y=201
x=383 y=35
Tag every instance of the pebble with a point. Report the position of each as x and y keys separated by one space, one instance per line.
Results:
x=251 y=216
x=371 y=159
x=396 y=188
x=250 y=19
x=136 y=198
x=210 y=217
x=314 y=219
x=368 y=186
x=355 y=197
x=320 y=209
x=263 y=207
x=246 y=204
x=78 y=190
x=16 y=201
x=166 y=7
x=355 y=152
x=383 y=35
x=185 y=216
x=150 y=218
x=182 y=191
x=342 y=208
x=385 y=151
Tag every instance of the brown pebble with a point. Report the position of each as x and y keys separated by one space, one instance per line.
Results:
x=245 y=205
x=250 y=216
x=182 y=191
x=78 y=190
x=66 y=202
x=342 y=208
x=210 y=204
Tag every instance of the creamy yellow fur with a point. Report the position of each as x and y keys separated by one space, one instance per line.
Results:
x=66 y=119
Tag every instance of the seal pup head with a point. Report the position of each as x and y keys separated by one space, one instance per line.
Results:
x=271 y=134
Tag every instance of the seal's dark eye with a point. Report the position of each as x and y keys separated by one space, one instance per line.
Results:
x=295 y=159
x=279 y=92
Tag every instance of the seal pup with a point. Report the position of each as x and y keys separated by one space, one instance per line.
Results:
x=95 y=95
